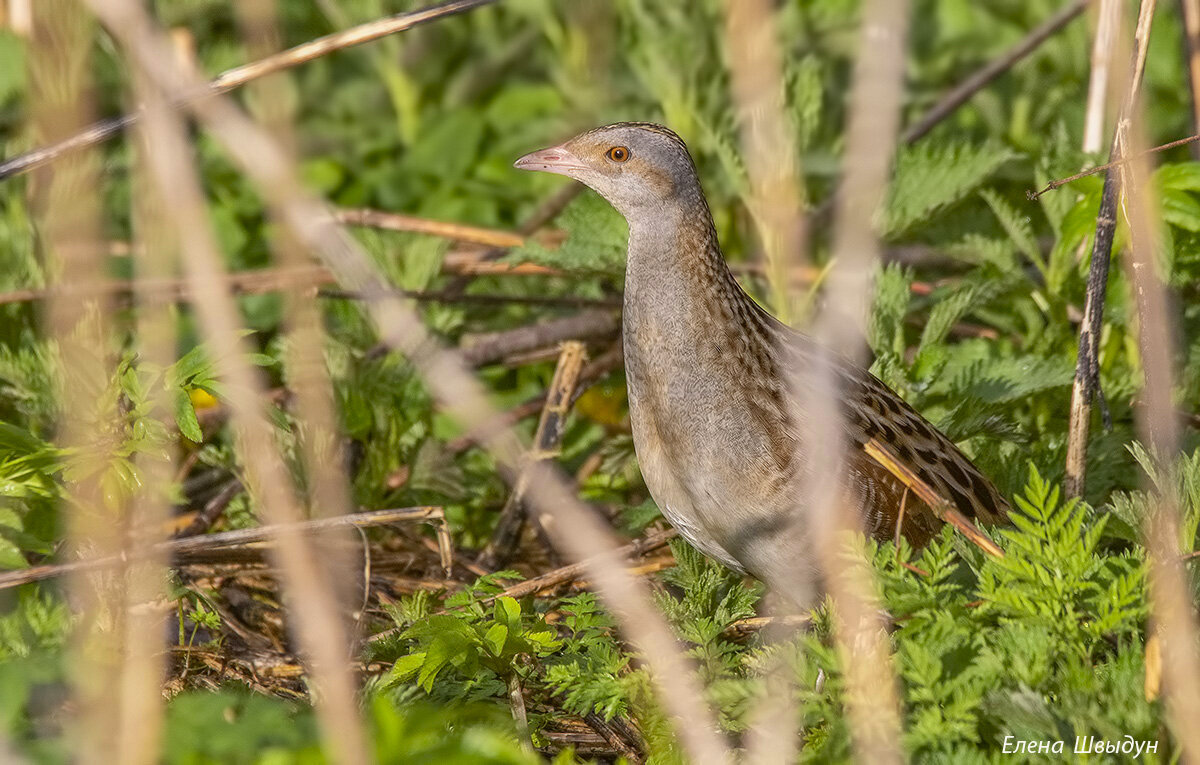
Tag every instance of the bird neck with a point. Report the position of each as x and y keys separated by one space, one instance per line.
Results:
x=674 y=254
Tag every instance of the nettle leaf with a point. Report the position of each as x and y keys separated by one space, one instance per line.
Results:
x=932 y=176
x=893 y=293
x=596 y=239
x=11 y=537
x=1018 y=227
x=1016 y=378
x=1180 y=208
x=804 y=80
x=1181 y=176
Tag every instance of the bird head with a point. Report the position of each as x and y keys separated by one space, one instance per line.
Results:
x=636 y=166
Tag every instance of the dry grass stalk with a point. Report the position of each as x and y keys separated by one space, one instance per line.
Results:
x=1087 y=368
x=1060 y=182
x=320 y=442
x=547 y=442
x=310 y=276
x=775 y=202
x=459 y=232
x=574 y=528
x=775 y=197
x=68 y=206
x=319 y=626
x=144 y=560
x=17 y=15
x=1104 y=45
x=1172 y=608
x=193 y=546
x=874 y=118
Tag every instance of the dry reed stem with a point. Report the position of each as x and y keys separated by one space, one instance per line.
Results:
x=67 y=203
x=314 y=612
x=1190 y=9
x=276 y=279
x=141 y=701
x=1060 y=182
x=458 y=232
x=775 y=197
x=1172 y=608
x=547 y=444
x=576 y=530
x=318 y=436
x=872 y=699
x=1087 y=367
x=1104 y=45
x=774 y=200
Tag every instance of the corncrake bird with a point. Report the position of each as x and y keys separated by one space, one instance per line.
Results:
x=708 y=372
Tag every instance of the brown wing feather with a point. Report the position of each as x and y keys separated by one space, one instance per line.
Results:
x=872 y=410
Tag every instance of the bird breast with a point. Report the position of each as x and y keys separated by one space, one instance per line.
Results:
x=707 y=459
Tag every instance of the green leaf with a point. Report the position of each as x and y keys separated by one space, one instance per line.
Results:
x=1018 y=227
x=1181 y=209
x=439 y=653
x=185 y=416
x=931 y=176
x=1181 y=176
x=893 y=292
x=495 y=638
x=596 y=239
x=448 y=147
x=11 y=530
x=405 y=667
x=508 y=612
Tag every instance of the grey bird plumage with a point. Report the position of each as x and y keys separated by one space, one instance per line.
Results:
x=707 y=369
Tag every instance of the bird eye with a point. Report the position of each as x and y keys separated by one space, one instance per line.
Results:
x=617 y=154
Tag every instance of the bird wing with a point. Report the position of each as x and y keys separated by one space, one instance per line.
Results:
x=907 y=472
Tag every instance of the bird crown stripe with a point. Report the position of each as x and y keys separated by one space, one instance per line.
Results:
x=651 y=127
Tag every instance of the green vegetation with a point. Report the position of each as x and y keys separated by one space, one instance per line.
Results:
x=974 y=322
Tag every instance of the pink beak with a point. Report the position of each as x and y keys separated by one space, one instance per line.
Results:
x=556 y=159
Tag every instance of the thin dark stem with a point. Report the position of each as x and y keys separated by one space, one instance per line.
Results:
x=1087 y=367
x=444 y=296
x=1052 y=185
x=980 y=78
x=264 y=280
x=975 y=82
